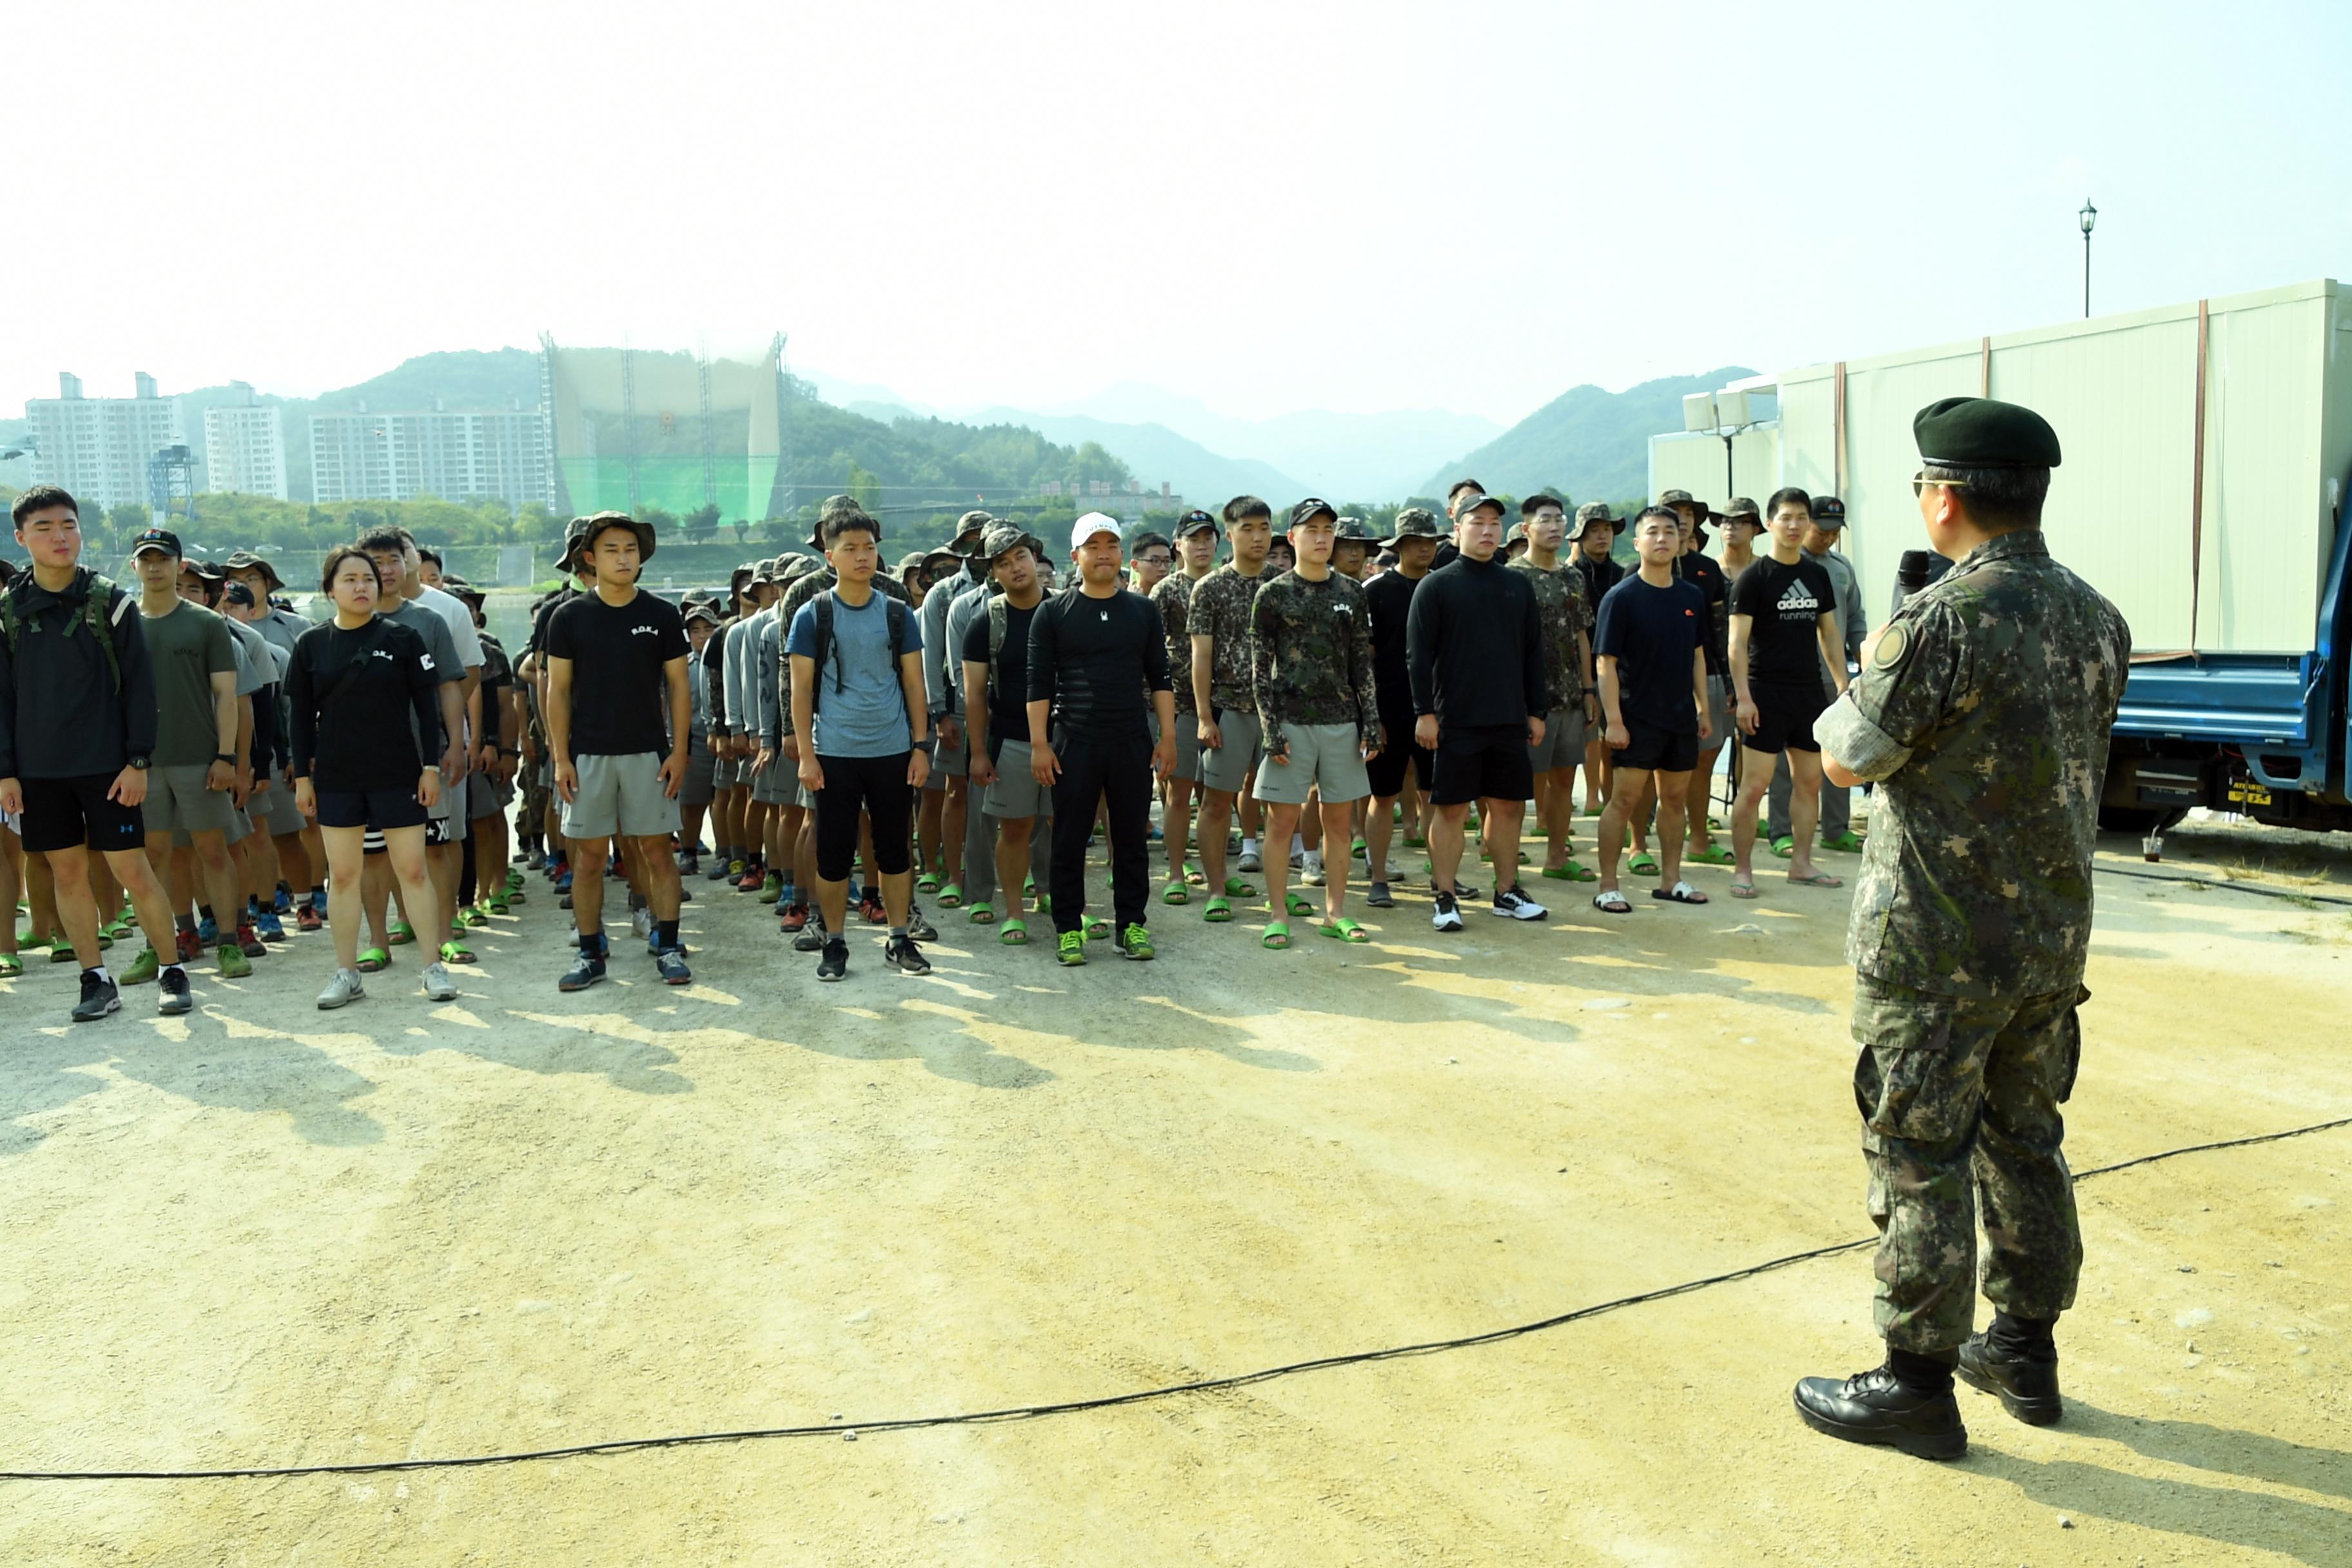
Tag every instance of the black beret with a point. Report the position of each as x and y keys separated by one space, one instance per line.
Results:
x=1982 y=433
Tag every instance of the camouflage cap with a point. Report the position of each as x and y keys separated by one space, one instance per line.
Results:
x=1516 y=534
x=835 y=503
x=1682 y=498
x=1740 y=506
x=1000 y=536
x=910 y=563
x=974 y=521
x=840 y=506
x=1415 y=523
x=1587 y=514
x=1356 y=528
x=696 y=610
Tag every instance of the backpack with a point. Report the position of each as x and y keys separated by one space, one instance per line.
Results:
x=100 y=622
x=998 y=618
x=899 y=616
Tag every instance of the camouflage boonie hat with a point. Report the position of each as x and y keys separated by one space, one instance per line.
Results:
x=574 y=533
x=1356 y=528
x=843 y=506
x=974 y=522
x=1000 y=536
x=247 y=560
x=1415 y=523
x=1680 y=498
x=597 y=523
x=1740 y=506
x=1587 y=514
x=1516 y=535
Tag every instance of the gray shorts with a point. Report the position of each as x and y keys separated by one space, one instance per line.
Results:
x=1016 y=792
x=177 y=800
x=725 y=772
x=486 y=797
x=779 y=786
x=1563 y=741
x=1329 y=756
x=948 y=762
x=1718 y=713
x=697 y=789
x=275 y=813
x=620 y=796
x=1228 y=766
x=1188 y=747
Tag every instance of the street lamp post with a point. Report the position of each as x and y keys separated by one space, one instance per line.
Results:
x=2088 y=216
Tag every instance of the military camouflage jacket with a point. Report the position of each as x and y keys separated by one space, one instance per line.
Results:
x=1983 y=714
x=804 y=588
x=1561 y=606
x=1172 y=598
x=1221 y=609
x=1311 y=655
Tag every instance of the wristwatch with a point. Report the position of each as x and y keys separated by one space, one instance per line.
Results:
x=139 y=762
x=228 y=757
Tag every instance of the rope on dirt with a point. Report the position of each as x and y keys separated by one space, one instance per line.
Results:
x=1107 y=1402
x=2219 y=886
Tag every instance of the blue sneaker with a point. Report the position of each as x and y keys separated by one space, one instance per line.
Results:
x=787 y=898
x=563 y=883
x=671 y=965
x=270 y=927
x=284 y=902
x=208 y=932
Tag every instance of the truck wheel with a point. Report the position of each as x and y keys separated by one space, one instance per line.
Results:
x=2141 y=819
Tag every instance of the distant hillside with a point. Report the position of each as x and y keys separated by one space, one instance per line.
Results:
x=1592 y=444
x=1156 y=454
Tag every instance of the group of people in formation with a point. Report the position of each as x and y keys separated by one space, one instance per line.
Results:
x=1262 y=698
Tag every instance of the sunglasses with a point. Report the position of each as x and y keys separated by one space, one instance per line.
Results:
x=1920 y=481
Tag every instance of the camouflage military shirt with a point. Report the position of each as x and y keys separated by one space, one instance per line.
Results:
x=807 y=586
x=1311 y=655
x=1221 y=609
x=1983 y=714
x=1564 y=614
x=1172 y=598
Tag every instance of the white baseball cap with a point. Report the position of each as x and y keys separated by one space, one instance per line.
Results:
x=1096 y=523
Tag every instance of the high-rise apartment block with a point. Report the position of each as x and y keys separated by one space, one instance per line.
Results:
x=99 y=448
x=457 y=456
x=245 y=450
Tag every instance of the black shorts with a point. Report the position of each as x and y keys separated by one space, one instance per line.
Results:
x=876 y=786
x=62 y=813
x=1386 y=770
x=1485 y=763
x=1784 y=719
x=1653 y=750
x=380 y=809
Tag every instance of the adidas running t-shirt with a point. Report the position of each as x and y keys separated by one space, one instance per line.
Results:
x=1785 y=604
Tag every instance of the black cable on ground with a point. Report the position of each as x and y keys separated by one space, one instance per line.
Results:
x=1107 y=1402
x=2220 y=886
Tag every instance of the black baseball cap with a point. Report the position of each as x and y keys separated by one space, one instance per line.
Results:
x=1193 y=521
x=1829 y=511
x=1311 y=509
x=158 y=538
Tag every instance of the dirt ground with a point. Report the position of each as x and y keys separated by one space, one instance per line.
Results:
x=265 y=1235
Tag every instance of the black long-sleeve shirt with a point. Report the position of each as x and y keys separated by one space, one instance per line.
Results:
x=1473 y=646
x=62 y=714
x=1095 y=658
x=345 y=690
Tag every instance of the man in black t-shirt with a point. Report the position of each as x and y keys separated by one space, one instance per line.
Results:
x=1697 y=567
x=1651 y=648
x=1388 y=599
x=1093 y=652
x=613 y=658
x=995 y=659
x=1784 y=633
x=1589 y=540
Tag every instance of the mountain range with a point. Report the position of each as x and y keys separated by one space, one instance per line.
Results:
x=1586 y=444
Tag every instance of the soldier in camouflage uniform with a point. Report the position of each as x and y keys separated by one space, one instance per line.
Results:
x=1567 y=621
x=1982 y=713
x=1224 y=705
x=1196 y=557
x=1311 y=677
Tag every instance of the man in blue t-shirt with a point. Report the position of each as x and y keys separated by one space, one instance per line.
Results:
x=1651 y=648
x=866 y=719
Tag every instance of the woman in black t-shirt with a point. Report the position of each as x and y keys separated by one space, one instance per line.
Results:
x=363 y=695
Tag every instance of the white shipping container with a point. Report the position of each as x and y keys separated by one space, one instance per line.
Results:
x=2129 y=509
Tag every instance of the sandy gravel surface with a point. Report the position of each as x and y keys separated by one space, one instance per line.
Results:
x=263 y=1234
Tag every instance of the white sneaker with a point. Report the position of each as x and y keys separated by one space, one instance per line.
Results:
x=642 y=923
x=1514 y=905
x=1312 y=873
x=1448 y=915
x=438 y=986
x=1250 y=861
x=343 y=988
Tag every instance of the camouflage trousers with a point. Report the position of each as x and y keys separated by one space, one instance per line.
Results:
x=531 y=817
x=1959 y=1103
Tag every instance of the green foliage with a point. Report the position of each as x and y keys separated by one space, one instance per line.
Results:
x=700 y=523
x=129 y=519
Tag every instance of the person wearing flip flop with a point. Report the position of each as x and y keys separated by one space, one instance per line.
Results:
x=1094 y=651
x=1474 y=655
x=1696 y=565
x=1590 y=540
x=1224 y=706
x=1784 y=633
x=1312 y=678
x=1196 y=557
x=1652 y=652
x=1853 y=625
x=78 y=723
x=1568 y=654
x=995 y=659
x=1387 y=600
x=940 y=823
x=1983 y=714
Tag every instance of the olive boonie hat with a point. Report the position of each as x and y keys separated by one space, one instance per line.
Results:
x=597 y=525
x=1983 y=433
x=247 y=560
x=1740 y=507
x=574 y=533
x=972 y=523
x=1587 y=514
x=840 y=506
x=1680 y=498
x=695 y=610
x=1415 y=523
x=1000 y=536
x=1356 y=528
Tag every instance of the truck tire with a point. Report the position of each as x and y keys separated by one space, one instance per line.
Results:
x=2142 y=819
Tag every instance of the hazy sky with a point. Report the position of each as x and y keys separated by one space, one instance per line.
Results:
x=1269 y=206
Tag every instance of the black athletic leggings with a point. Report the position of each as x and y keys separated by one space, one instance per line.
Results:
x=877 y=785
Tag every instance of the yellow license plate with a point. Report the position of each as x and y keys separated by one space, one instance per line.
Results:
x=2249 y=794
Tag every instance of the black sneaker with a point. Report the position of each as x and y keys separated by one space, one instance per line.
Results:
x=919 y=928
x=2028 y=1384
x=835 y=963
x=1513 y=905
x=171 y=992
x=809 y=938
x=671 y=962
x=1447 y=916
x=99 y=997
x=585 y=971
x=1876 y=1406
x=903 y=955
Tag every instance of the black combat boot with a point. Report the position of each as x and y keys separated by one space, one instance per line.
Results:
x=1880 y=1406
x=2017 y=1359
